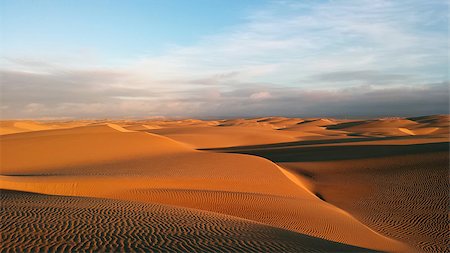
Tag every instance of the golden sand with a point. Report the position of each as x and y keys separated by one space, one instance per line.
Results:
x=265 y=184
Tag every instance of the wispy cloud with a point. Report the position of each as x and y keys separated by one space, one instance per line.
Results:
x=327 y=58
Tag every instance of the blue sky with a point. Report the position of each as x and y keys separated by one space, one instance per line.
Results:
x=217 y=58
x=113 y=29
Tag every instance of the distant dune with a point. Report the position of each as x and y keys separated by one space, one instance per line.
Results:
x=264 y=184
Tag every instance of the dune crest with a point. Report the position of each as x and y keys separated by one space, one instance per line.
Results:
x=406 y=131
x=310 y=178
x=119 y=128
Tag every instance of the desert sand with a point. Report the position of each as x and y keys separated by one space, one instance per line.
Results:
x=270 y=184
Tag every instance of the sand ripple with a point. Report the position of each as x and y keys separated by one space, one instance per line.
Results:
x=35 y=223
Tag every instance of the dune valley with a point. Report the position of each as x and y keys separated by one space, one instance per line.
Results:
x=269 y=184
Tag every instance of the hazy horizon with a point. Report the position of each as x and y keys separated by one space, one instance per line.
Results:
x=223 y=59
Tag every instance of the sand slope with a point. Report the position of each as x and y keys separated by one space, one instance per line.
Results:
x=398 y=190
x=404 y=197
x=57 y=149
x=395 y=126
x=20 y=126
x=105 y=161
x=294 y=176
x=34 y=222
x=221 y=136
x=9 y=127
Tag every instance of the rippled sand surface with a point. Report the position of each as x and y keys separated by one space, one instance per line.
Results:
x=255 y=185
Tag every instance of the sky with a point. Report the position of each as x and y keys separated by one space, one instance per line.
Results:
x=220 y=59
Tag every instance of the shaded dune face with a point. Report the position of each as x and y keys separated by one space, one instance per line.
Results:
x=398 y=190
x=395 y=127
x=404 y=197
x=309 y=178
x=34 y=222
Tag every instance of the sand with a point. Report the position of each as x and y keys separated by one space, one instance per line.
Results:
x=56 y=223
x=264 y=184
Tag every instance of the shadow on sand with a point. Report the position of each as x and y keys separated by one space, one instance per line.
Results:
x=301 y=152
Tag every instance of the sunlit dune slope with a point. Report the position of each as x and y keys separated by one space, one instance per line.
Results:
x=244 y=132
x=20 y=126
x=398 y=190
x=319 y=178
x=9 y=127
x=34 y=222
x=109 y=161
x=221 y=136
x=157 y=161
x=56 y=149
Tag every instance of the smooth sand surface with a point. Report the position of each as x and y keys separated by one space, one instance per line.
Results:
x=221 y=136
x=265 y=184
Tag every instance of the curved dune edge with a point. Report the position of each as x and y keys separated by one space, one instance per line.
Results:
x=104 y=185
x=89 y=145
x=30 y=126
x=119 y=128
x=294 y=179
x=201 y=137
x=426 y=130
x=406 y=131
x=404 y=249
x=73 y=189
x=147 y=227
x=90 y=186
x=405 y=197
x=23 y=126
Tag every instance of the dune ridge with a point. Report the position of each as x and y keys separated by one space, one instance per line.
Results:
x=405 y=197
x=285 y=177
x=64 y=224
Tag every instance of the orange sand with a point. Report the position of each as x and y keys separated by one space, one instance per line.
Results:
x=306 y=184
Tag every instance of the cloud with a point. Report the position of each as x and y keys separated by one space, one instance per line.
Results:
x=82 y=101
x=260 y=95
x=291 y=58
x=360 y=77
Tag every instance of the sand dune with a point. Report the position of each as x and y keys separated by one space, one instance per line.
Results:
x=58 y=149
x=13 y=126
x=404 y=197
x=212 y=137
x=394 y=127
x=434 y=120
x=75 y=224
x=10 y=127
x=398 y=190
x=317 y=122
x=311 y=217
x=290 y=184
x=156 y=124
x=280 y=122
